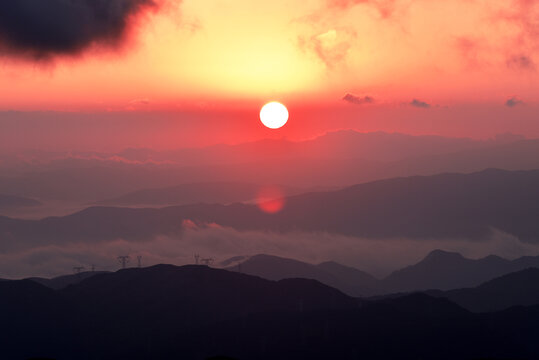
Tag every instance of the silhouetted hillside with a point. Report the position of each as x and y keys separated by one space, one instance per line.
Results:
x=438 y=270
x=348 y=273
x=158 y=304
x=194 y=312
x=516 y=289
x=63 y=281
x=445 y=270
x=348 y=280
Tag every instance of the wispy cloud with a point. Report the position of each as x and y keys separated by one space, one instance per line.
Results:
x=358 y=100
x=420 y=104
x=513 y=101
x=521 y=62
x=384 y=7
x=144 y=101
x=331 y=46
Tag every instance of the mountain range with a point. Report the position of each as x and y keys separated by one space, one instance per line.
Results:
x=349 y=280
x=64 y=281
x=514 y=289
x=440 y=270
x=333 y=160
x=9 y=202
x=194 y=312
x=423 y=207
x=210 y=192
x=143 y=308
x=448 y=270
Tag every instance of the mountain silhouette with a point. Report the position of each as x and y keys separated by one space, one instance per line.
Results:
x=514 y=289
x=440 y=269
x=348 y=280
x=195 y=312
x=448 y=270
x=63 y=281
x=166 y=299
x=10 y=202
x=360 y=281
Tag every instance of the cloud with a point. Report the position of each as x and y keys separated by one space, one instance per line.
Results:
x=358 y=100
x=524 y=14
x=419 y=104
x=521 y=62
x=331 y=46
x=376 y=256
x=144 y=101
x=42 y=29
x=384 y=7
x=513 y=101
x=473 y=52
x=332 y=39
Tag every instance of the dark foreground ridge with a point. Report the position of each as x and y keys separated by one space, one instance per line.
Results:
x=195 y=312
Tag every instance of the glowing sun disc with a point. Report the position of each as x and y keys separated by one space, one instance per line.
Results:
x=274 y=115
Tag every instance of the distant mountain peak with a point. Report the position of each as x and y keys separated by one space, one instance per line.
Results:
x=493 y=257
x=330 y=263
x=443 y=254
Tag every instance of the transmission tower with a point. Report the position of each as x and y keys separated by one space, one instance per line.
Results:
x=197 y=258
x=124 y=260
x=207 y=261
x=77 y=269
x=139 y=261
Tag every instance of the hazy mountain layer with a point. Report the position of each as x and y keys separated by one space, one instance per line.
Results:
x=333 y=160
x=442 y=206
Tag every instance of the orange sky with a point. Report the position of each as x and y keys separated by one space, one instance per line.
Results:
x=233 y=55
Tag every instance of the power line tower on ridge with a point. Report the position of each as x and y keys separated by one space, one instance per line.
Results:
x=124 y=260
x=207 y=261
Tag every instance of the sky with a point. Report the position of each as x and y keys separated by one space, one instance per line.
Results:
x=193 y=73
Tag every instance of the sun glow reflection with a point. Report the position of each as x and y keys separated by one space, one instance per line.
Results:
x=270 y=199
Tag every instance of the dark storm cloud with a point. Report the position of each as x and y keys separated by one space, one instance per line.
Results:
x=358 y=100
x=420 y=104
x=513 y=101
x=41 y=29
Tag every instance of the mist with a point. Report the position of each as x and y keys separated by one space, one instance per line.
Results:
x=376 y=256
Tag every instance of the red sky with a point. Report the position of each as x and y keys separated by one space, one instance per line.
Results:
x=192 y=73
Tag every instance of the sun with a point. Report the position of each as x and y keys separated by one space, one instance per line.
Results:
x=274 y=115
